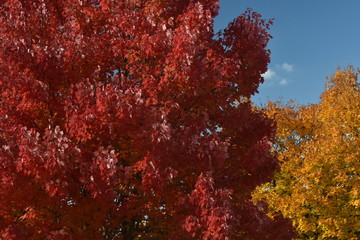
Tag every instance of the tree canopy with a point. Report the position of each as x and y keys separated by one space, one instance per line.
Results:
x=117 y=121
x=318 y=185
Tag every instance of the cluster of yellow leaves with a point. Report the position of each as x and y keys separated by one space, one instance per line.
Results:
x=318 y=186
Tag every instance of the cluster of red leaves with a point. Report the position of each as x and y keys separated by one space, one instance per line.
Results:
x=118 y=121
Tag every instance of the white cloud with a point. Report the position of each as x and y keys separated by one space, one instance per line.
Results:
x=284 y=82
x=272 y=78
x=287 y=67
x=269 y=74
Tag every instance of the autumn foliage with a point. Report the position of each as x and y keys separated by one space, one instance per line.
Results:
x=318 y=186
x=118 y=121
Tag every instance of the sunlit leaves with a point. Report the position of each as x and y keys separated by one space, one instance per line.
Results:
x=318 y=185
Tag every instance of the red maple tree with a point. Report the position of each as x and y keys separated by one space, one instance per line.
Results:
x=129 y=119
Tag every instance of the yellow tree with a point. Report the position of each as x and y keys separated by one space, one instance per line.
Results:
x=318 y=185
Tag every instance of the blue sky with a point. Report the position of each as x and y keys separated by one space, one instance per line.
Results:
x=311 y=38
